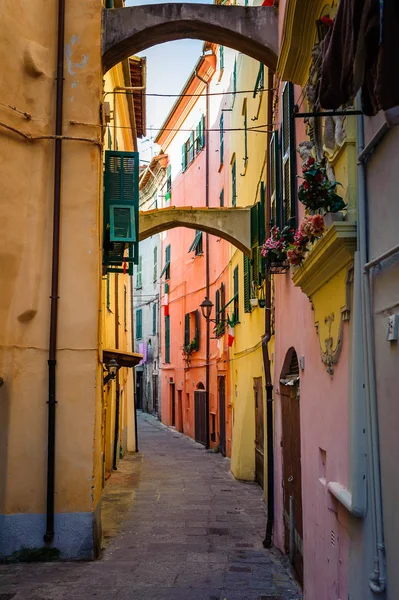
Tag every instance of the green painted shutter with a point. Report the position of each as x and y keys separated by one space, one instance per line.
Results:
x=217 y=307
x=221 y=197
x=139 y=276
x=261 y=262
x=125 y=307
x=247 y=284
x=168 y=193
x=139 y=323
x=187 y=329
x=234 y=79
x=254 y=223
x=191 y=147
x=234 y=183
x=223 y=301
x=288 y=156
x=154 y=318
x=167 y=259
x=183 y=157
x=167 y=339
x=274 y=180
x=221 y=58
x=221 y=140
x=236 y=313
x=197 y=329
x=202 y=131
x=260 y=80
x=245 y=135
x=108 y=290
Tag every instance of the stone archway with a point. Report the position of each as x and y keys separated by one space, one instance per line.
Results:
x=250 y=30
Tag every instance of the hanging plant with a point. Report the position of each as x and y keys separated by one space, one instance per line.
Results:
x=311 y=229
x=274 y=250
x=317 y=192
x=187 y=350
x=219 y=329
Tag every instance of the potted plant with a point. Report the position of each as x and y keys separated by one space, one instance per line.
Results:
x=219 y=329
x=253 y=299
x=187 y=350
x=275 y=249
x=317 y=192
x=311 y=229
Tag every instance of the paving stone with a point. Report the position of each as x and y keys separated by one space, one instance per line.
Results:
x=177 y=525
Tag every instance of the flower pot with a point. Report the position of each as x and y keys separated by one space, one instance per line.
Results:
x=278 y=267
x=330 y=218
x=262 y=302
x=253 y=302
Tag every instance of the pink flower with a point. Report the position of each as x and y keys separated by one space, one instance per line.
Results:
x=294 y=257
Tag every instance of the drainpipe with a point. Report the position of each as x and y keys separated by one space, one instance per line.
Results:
x=267 y=542
x=49 y=535
x=377 y=581
x=207 y=284
x=117 y=391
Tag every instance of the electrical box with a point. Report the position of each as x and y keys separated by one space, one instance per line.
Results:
x=393 y=328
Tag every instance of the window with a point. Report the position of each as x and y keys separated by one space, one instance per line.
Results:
x=217 y=307
x=139 y=274
x=192 y=328
x=234 y=182
x=288 y=156
x=221 y=197
x=188 y=148
x=166 y=270
x=155 y=273
x=168 y=194
x=125 y=307
x=221 y=58
x=247 y=284
x=154 y=318
x=167 y=339
x=236 y=299
x=274 y=163
x=197 y=244
x=200 y=135
x=139 y=324
x=260 y=80
x=221 y=139
x=191 y=147
x=245 y=114
x=108 y=292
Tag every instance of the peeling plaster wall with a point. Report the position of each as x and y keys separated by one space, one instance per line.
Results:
x=28 y=57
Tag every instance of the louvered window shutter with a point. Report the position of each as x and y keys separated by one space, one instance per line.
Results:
x=274 y=180
x=191 y=146
x=234 y=183
x=288 y=156
x=217 y=307
x=197 y=329
x=155 y=273
x=184 y=157
x=236 y=298
x=221 y=141
x=187 y=329
x=247 y=284
x=167 y=339
x=154 y=318
x=139 y=324
x=254 y=223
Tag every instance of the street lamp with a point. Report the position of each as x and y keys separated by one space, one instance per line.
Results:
x=206 y=307
x=112 y=368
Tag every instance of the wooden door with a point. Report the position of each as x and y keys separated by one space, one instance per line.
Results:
x=292 y=475
x=139 y=389
x=200 y=416
x=172 y=405
x=259 y=431
x=155 y=394
x=222 y=415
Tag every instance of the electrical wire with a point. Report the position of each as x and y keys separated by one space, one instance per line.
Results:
x=154 y=95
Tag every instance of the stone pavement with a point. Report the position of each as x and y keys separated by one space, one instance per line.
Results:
x=177 y=526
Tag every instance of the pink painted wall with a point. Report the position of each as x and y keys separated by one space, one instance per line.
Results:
x=324 y=425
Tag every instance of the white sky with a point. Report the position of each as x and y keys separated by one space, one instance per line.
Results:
x=168 y=67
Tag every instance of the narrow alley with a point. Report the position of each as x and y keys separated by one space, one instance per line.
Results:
x=182 y=528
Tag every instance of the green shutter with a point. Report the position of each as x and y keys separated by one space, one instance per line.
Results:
x=236 y=314
x=197 y=330
x=234 y=79
x=288 y=156
x=254 y=276
x=262 y=214
x=155 y=272
x=139 y=323
x=221 y=139
x=168 y=183
x=167 y=339
x=166 y=270
x=234 y=183
x=183 y=157
x=260 y=80
x=247 y=284
x=245 y=135
x=217 y=307
x=223 y=301
x=274 y=180
x=154 y=318
x=221 y=58
x=221 y=197
x=125 y=307
x=139 y=276
x=187 y=329
x=203 y=131
x=197 y=243
x=191 y=147
x=254 y=223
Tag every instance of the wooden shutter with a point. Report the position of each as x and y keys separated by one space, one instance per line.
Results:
x=167 y=339
x=221 y=197
x=108 y=292
x=202 y=131
x=274 y=180
x=197 y=329
x=125 y=307
x=139 y=324
x=184 y=157
x=139 y=277
x=254 y=223
x=187 y=329
x=191 y=147
x=247 y=284
x=288 y=156
x=221 y=138
x=154 y=318
x=167 y=261
x=236 y=314
x=217 y=307
x=234 y=183
x=223 y=301
x=245 y=133
x=221 y=58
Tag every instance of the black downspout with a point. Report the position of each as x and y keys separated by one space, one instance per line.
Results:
x=207 y=284
x=267 y=542
x=117 y=391
x=49 y=535
x=116 y=432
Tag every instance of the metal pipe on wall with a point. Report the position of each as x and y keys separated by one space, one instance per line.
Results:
x=49 y=535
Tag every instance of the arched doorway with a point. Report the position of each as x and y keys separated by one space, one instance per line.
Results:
x=292 y=473
x=200 y=414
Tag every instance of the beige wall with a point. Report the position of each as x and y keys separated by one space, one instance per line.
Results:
x=28 y=61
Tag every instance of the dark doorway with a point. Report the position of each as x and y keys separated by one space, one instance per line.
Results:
x=155 y=394
x=200 y=416
x=139 y=389
x=259 y=431
x=172 y=405
x=292 y=472
x=222 y=415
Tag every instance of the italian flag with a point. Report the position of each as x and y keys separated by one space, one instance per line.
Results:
x=230 y=336
x=166 y=302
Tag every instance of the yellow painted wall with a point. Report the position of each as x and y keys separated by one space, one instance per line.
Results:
x=246 y=354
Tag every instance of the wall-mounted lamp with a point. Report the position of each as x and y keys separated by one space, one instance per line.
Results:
x=112 y=367
x=206 y=308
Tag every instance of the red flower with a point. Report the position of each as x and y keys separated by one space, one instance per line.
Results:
x=319 y=177
x=327 y=21
x=306 y=185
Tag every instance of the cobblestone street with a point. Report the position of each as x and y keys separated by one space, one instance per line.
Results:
x=186 y=531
